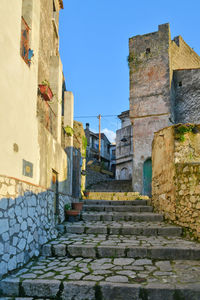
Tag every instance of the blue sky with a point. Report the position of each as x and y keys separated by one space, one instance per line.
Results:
x=94 y=48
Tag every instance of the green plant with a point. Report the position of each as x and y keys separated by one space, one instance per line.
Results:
x=69 y=131
x=133 y=60
x=45 y=82
x=182 y=129
x=67 y=206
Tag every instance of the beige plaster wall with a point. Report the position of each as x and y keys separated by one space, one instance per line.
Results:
x=52 y=156
x=18 y=85
x=56 y=80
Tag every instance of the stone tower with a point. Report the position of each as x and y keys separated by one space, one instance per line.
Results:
x=152 y=60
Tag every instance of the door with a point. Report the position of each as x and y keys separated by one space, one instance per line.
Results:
x=147 y=177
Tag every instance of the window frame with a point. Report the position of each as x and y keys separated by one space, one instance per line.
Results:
x=25 y=41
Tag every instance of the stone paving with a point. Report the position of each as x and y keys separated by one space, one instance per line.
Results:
x=120 y=227
x=129 y=270
x=89 y=266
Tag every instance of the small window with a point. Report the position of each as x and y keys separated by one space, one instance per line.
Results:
x=180 y=83
x=148 y=50
x=25 y=51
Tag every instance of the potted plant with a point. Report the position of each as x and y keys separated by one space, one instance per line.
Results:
x=71 y=215
x=77 y=205
x=45 y=90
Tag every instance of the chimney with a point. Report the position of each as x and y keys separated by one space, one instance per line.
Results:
x=87 y=126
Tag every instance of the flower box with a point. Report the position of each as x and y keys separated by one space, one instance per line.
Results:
x=46 y=92
x=77 y=205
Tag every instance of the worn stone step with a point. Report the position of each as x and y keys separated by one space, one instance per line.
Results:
x=117 y=216
x=127 y=228
x=117 y=202
x=107 y=278
x=119 y=208
x=96 y=246
x=116 y=196
x=113 y=186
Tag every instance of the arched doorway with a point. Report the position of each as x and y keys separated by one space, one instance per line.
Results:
x=124 y=174
x=147 y=177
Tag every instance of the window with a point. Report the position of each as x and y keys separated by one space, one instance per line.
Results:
x=25 y=51
x=148 y=50
x=108 y=149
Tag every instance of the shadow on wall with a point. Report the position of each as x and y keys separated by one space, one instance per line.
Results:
x=28 y=215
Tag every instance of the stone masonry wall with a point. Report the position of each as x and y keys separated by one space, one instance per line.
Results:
x=187 y=184
x=149 y=94
x=27 y=221
x=176 y=177
x=187 y=96
x=182 y=55
x=94 y=177
x=163 y=172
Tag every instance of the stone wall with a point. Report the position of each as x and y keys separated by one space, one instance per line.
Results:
x=176 y=177
x=163 y=172
x=188 y=196
x=94 y=177
x=187 y=96
x=149 y=94
x=153 y=58
x=182 y=55
x=27 y=221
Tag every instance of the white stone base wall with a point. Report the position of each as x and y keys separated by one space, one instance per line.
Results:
x=27 y=221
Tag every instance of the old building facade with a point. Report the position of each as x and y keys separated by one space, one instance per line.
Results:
x=93 y=146
x=35 y=172
x=164 y=89
x=124 y=148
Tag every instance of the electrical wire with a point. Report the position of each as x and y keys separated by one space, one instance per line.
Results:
x=106 y=116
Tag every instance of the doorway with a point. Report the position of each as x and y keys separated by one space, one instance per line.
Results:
x=147 y=177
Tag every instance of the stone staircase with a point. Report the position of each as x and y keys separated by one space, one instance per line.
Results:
x=112 y=186
x=119 y=250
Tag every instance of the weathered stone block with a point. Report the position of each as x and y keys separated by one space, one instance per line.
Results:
x=137 y=252
x=118 y=290
x=3 y=225
x=41 y=288
x=111 y=251
x=79 y=290
x=82 y=250
x=4 y=203
x=9 y=287
x=59 y=250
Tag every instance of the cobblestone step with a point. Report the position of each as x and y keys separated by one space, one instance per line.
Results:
x=116 y=196
x=119 y=216
x=112 y=186
x=96 y=246
x=119 y=208
x=117 y=202
x=105 y=279
x=127 y=228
